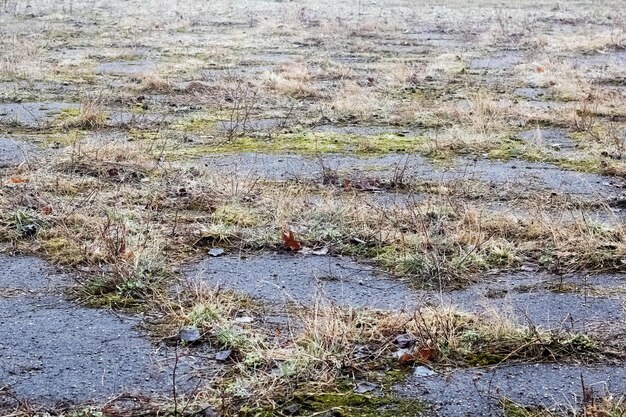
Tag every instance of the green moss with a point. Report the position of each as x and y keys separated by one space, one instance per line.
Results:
x=235 y=215
x=510 y=149
x=66 y=114
x=349 y=404
x=484 y=359
x=514 y=149
x=580 y=165
x=62 y=139
x=313 y=143
x=198 y=123
x=62 y=251
x=511 y=409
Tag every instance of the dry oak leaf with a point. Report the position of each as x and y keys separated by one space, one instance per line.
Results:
x=425 y=353
x=290 y=240
x=406 y=359
x=13 y=181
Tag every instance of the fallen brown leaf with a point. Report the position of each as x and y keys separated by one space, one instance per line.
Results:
x=406 y=359
x=425 y=353
x=290 y=240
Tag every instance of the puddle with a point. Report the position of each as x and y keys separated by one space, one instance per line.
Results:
x=502 y=60
x=283 y=278
x=32 y=114
x=476 y=392
x=89 y=354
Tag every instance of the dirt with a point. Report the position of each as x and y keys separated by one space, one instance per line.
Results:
x=304 y=279
x=55 y=351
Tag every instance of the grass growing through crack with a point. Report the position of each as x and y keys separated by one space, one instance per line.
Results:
x=118 y=204
x=326 y=344
x=607 y=406
x=125 y=215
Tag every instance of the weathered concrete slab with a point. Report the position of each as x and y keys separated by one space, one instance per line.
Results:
x=32 y=114
x=53 y=350
x=11 y=152
x=305 y=279
x=476 y=392
x=546 y=301
x=519 y=174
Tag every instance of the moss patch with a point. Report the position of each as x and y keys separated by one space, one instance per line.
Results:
x=344 y=404
x=312 y=143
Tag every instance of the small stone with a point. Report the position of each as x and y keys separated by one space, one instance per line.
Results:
x=292 y=409
x=404 y=341
x=208 y=412
x=216 y=252
x=244 y=319
x=223 y=355
x=422 y=371
x=365 y=386
x=321 y=252
x=189 y=334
